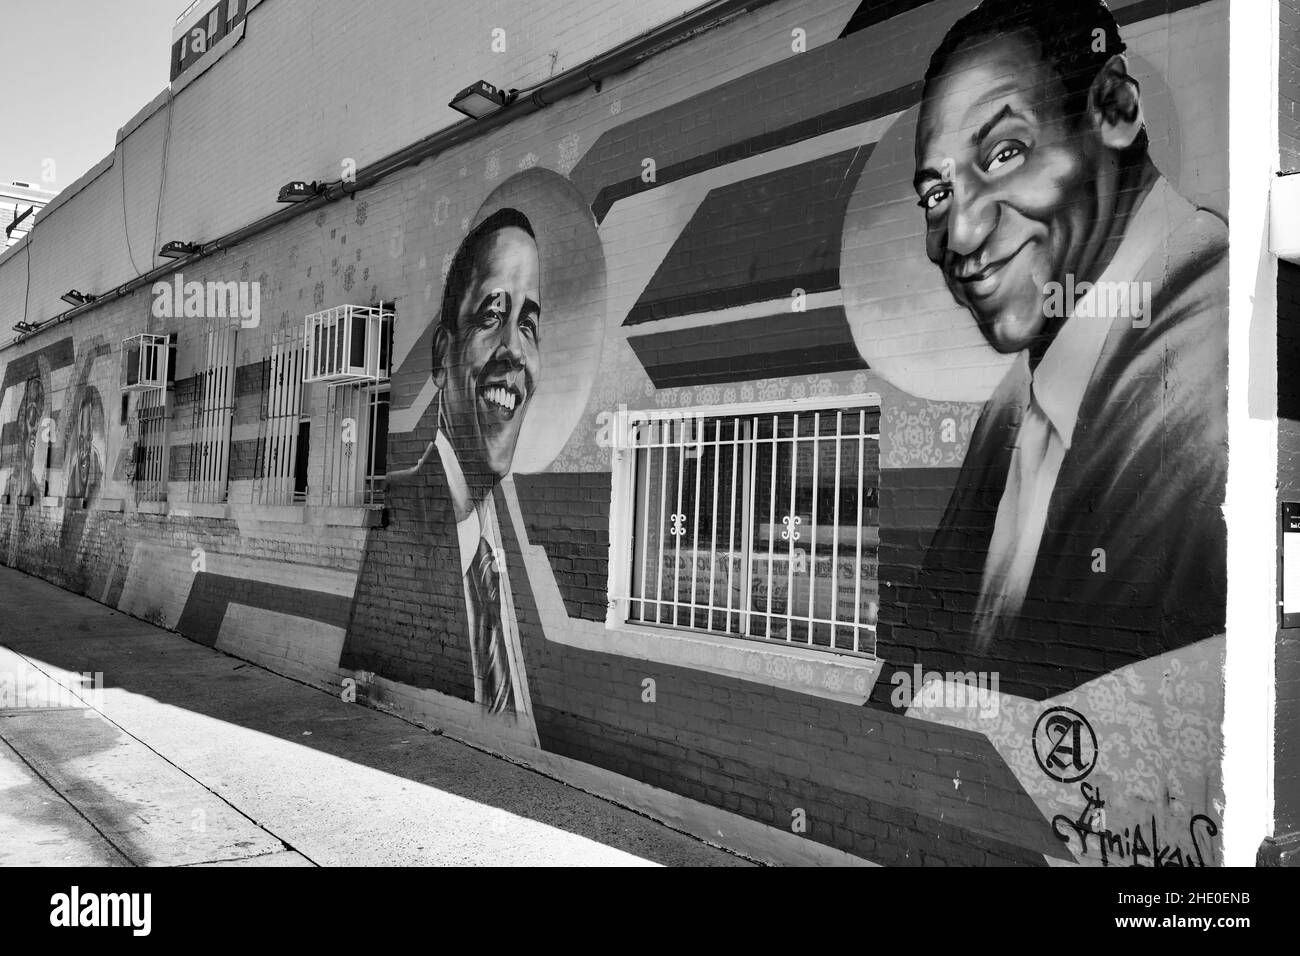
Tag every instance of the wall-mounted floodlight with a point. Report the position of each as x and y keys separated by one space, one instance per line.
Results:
x=481 y=99
x=298 y=191
x=22 y=327
x=177 y=249
x=73 y=297
x=9 y=229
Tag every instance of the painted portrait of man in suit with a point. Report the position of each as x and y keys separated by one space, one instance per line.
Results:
x=1084 y=530
x=487 y=363
x=524 y=286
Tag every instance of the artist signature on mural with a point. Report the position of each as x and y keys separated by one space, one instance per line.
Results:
x=1130 y=847
x=1065 y=745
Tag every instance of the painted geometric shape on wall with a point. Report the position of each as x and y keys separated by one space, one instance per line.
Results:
x=871 y=12
x=794 y=100
x=782 y=344
x=757 y=240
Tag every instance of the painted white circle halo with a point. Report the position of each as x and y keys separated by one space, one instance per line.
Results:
x=572 y=264
x=904 y=320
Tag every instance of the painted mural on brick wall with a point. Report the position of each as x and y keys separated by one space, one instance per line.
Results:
x=54 y=427
x=1081 y=554
x=512 y=353
x=831 y=435
x=1002 y=250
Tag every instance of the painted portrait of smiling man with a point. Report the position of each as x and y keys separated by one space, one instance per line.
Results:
x=482 y=416
x=487 y=355
x=1052 y=226
x=487 y=364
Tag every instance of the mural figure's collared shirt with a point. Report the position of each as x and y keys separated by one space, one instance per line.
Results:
x=1055 y=393
x=475 y=521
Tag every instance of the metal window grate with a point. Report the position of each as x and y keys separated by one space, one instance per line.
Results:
x=149 y=477
x=355 y=454
x=760 y=526
x=348 y=343
x=212 y=418
x=281 y=445
x=146 y=362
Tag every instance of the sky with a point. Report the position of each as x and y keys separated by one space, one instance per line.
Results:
x=75 y=72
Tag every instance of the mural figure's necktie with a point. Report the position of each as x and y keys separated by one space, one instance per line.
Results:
x=489 y=637
x=1018 y=532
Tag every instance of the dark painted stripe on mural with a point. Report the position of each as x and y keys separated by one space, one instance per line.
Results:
x=211 y=594
x=787 y=343
x=873 y=12
x=711 y=300
x=757 y=240
x=185 y=391
x=57 y=355
x=814 y=70
x=850 y=115
x=252 y=377
x=244 y=456
x=1146 y=9
x=10 y=431
x=249 y=378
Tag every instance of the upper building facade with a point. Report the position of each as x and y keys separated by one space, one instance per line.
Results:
x=19 y=204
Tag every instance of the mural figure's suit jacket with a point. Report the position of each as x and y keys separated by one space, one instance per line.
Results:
x=1140 y=489
x=426 y=645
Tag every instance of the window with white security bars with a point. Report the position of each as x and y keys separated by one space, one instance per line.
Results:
x=355 y=454
x=756 y=522
x=149 y=452
x=213 y=414
x=284 y=445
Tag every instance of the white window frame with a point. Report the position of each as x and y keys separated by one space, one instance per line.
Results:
x=623 y=512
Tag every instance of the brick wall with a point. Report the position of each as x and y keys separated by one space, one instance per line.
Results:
x=673 y=290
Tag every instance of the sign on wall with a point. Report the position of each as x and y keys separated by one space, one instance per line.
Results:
x=199 y=30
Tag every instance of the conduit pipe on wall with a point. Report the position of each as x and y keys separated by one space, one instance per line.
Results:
x=570 y=82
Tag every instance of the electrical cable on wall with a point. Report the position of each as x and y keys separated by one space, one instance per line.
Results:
x=126 y=230
x=27 y=293
x=162 y=178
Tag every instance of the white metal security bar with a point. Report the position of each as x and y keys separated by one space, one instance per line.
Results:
x=145 y=360
x=150 y=475
x=280 y=445
x=355 y=445
x=758 y=524
x=348 y=343
x=212 y=419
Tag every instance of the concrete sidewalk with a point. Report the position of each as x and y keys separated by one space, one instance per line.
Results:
x=192 y=757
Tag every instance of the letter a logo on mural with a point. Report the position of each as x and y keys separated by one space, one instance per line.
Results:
x=1064 y=744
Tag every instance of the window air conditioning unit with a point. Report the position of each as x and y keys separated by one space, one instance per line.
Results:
x=148 y=361
x=348 y=343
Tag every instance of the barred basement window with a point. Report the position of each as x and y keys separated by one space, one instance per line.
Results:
x=284 y=445
x=757 y=522
x=212 y=418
